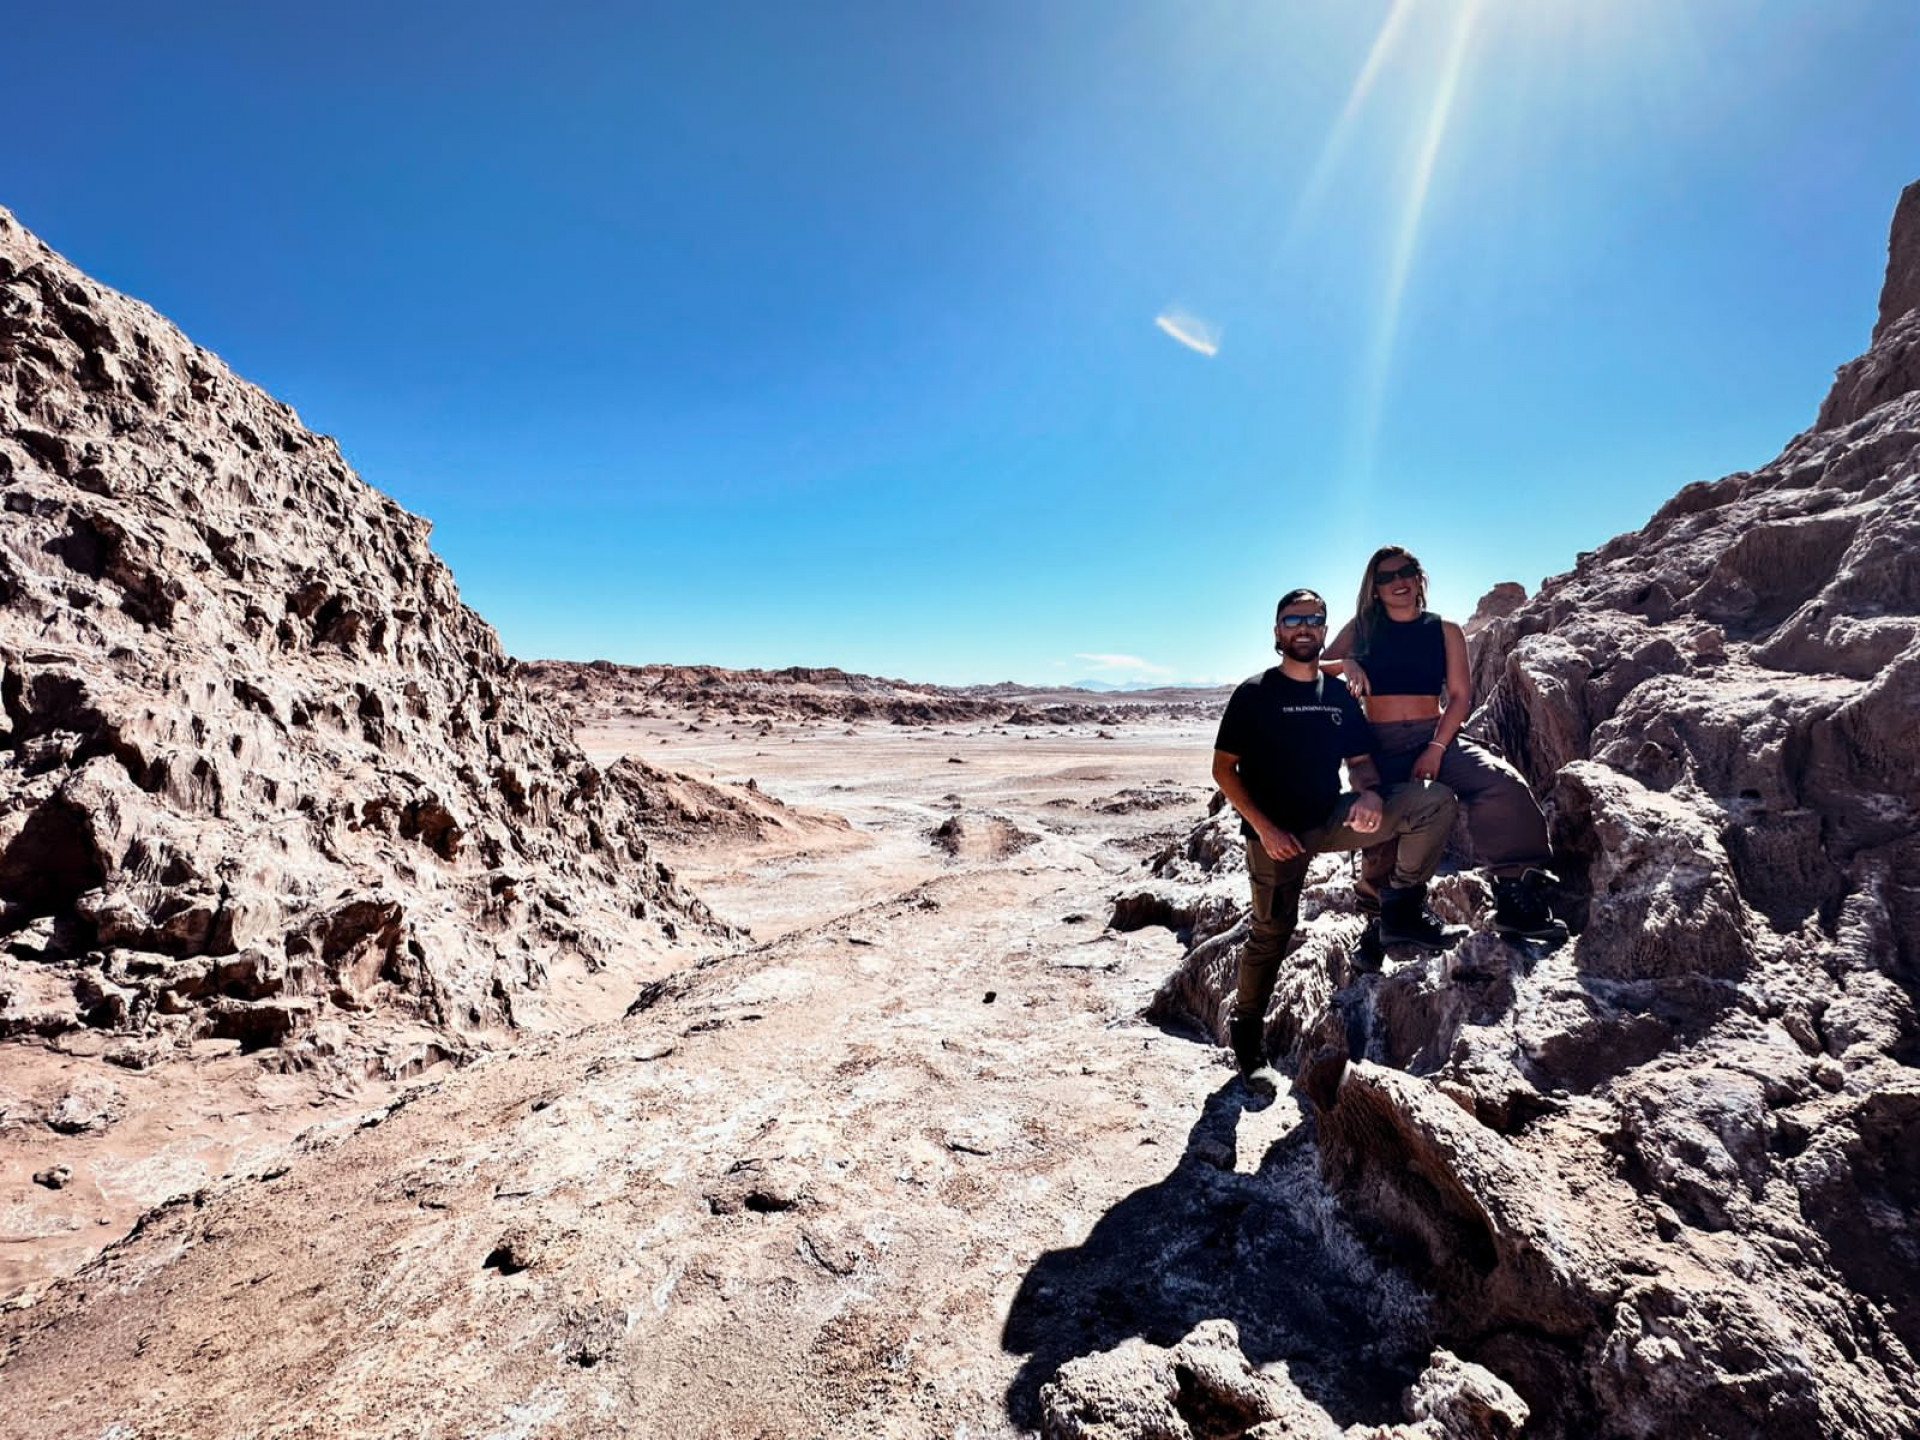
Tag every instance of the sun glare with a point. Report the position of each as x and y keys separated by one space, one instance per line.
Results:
x=1429 y=137
x=1334 y=152
x=1520 y=81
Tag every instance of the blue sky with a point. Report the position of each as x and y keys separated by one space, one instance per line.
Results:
x=767 y=334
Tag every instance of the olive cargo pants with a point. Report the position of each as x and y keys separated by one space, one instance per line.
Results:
x=1417 y=814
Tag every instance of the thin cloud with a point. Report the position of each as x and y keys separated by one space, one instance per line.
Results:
x=1123 y=662
x=1190 y=330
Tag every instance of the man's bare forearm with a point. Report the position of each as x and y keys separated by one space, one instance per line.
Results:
x=1226 y=774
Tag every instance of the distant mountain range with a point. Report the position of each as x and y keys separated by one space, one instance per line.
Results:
x=1104 y=688
x=827 y=692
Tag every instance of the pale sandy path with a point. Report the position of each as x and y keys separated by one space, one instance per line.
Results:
x=896 y=783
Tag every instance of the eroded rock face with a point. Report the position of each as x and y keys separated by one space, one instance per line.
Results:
x=1498 y=603
x=1892 y=367
x=1205 y=1387
x=258 y=764
x=1662 y=1180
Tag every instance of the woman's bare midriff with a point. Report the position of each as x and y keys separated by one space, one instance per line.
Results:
x=1389 y=709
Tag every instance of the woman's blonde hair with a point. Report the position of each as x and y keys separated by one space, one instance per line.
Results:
x=1368 y=610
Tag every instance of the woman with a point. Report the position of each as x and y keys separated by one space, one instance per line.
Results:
x=1409 y=669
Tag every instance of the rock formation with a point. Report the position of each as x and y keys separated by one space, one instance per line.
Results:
x=1498 y=603
x=261 y=772
x=1204 y=1387
x=1891 y=367
x=1664 y=1181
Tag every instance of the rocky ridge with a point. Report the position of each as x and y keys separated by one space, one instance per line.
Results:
x=1662 y=1181
x=825 y=693
x=257 y=783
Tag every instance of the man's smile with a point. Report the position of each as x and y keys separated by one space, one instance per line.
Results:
x=1304 y=644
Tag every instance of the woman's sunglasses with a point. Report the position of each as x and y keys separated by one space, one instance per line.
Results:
x=1408 y=571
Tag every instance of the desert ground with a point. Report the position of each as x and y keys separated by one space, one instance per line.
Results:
x=917 y=1119
x=1067 y=807
x=1055 y=815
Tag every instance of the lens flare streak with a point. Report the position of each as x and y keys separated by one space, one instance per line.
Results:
x=1340 y=138
x=1406 y=240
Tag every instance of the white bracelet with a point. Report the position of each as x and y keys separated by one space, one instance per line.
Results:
x=1441 y=743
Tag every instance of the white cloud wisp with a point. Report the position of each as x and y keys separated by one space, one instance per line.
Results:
x=1131 y=663
x=1190 y=330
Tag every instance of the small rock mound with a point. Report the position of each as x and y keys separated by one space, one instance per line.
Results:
x=677 y=807
x=1204 y=1388
x=980 y=837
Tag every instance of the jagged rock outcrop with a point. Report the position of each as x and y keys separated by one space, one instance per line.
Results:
x=1662 y=1181
x=1891 y=367
x=1498 y=603
x=259 y=767
x=1205 y=1387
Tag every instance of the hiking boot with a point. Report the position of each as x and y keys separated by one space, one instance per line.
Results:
x=1249 y=1036
x=1368 y=953
x=1521 y=909
x=1405 y=920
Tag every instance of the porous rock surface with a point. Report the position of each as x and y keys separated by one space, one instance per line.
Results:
x=262 y=775
x=1663 y=1180
x=1205 y=1387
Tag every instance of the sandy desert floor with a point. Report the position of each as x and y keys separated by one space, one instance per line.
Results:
x=1058 y=817
x=896 y=1159
x=1076 y=801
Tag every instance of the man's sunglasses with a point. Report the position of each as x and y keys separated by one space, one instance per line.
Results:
x=1408 y=571
x=1294 y=622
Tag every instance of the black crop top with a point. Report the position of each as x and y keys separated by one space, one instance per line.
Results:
x=1406 y=657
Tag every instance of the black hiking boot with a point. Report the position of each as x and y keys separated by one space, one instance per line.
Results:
x=1521 y=909
x=1249 y=1036
x=1368 y=953
x=1405 y=920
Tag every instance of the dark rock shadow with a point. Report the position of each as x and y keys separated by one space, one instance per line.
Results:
x=1629 y=1024
x=1209 y=1243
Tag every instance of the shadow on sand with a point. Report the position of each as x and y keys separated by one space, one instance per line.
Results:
x=1262 y=1250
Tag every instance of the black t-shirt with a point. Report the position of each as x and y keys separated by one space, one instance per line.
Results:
x=1291 y=736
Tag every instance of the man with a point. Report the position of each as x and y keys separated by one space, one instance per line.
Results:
x=1277 y=759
